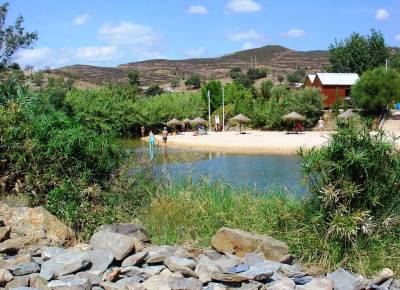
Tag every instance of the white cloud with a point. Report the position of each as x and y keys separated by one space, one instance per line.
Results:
x=250 y=34
x=33 y=56
x=382 y=14
x=397 y=37
x=238 y=6
x=195 y=53
x=249 y=45
x=294 y=33
x=96 y=53
x=81 y=19
x=197 y=9
x=130 y=33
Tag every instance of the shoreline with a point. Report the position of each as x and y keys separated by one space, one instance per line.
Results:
x=253 y=142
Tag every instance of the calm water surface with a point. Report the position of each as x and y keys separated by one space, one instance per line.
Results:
x=260 y=172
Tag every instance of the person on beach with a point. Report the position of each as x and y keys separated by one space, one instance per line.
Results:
x=142 y=131
x=216 y=123
x=321 y=124
x=165 y=137
x=152 y=140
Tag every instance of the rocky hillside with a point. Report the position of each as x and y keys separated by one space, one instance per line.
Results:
x=120 y=256
x=278 y=59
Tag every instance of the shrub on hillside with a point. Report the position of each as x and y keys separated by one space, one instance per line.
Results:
x=353 y=182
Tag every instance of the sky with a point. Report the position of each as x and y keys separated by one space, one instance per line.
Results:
x=108 y=33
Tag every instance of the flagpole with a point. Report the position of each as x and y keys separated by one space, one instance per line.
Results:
x=223 y=108
x=209 y=110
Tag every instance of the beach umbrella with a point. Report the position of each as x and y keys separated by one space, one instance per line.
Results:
x=186 y=121
x=199 y=121
x=294 y=116
x=346 y=115
x=241 y=119
x=173 y=123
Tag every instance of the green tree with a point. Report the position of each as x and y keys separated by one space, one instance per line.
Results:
x=154 y=90
x=243 y=80
x=375 y=89
x=256 y=73
x=13 y=37
x=193 y=82
x=358 y=53
x=233 y=73
x=175 y=83
x=266 y=87
x=394 y=60
x=215 y=88
x=134 y=78
x=297 y=76
x=280 y=79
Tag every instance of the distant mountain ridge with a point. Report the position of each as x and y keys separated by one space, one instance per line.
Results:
x=278 y=59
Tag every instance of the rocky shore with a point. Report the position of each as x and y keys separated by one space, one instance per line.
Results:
x=37 y=252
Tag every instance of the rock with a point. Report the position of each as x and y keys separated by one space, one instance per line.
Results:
x=94 y=279
x=25 y=288
x=21 y=281
x=13 y=246
x=168 y=273
x=215 y=286
x=22 y=259
x=110 y=286
x=239 y=242
x=64 y=264
x=70 y=284
x=36 y=281
x=383 y=275
x=83 y=247
x=120 y=245
x=135 y=259
x=229 y=277
x=206 y=266
x=253 y=258
x=258 y=273
x=317 y=284
x=100 y=260
x=133 y=230
x=185 y=284
x=35 y=224
x=152 y=270
x=24 y=269
x=302 y=280
x=239 y=268
x=158 y=254
x=182 y=265
x=343 y=280
x=4 y=233
x=5 y=277
x=169 y=283
x=112 y=275
x=129 y=282
x=51 y=252
x=285 y=284
x=252 y=285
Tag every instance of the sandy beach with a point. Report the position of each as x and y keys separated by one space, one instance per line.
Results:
x=251 y=143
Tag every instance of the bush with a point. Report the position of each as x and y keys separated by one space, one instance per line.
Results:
x=256 y=73
x=193 y=82
x=154 y=90
x=233 y=73
x=244 y=80
x=376 y=89
x=353 y=182
x=215 y=89
x=266 y=87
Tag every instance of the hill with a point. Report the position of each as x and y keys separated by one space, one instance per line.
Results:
x=278 y=59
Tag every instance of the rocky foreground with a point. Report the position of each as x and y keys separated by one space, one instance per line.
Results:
x=120 y=256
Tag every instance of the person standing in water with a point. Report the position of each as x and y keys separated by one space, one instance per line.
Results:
x=142 y=131
x=165 y=137
x=152 y=140
x=216 y=123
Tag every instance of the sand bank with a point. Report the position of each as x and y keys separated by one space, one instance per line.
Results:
x=251 y=143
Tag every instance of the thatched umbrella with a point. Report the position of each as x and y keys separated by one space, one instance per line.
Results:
x=294 y=116
x=199 y=121
x=173 y=123
x=241 y=119
x=187 y=121
x=346 y=115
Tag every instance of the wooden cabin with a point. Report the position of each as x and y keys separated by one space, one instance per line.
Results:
x=332 y=84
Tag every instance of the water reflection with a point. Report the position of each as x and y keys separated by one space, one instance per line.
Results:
x=256 y=172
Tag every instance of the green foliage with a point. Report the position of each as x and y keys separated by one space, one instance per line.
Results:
x=358 y=53
x=353 y=184
x=375 y=89
x=233 y=73
x=175 y=83
x=134 y=78
x=297 y=76
x=13 y=37
x=266 y=87
x=106 y=110
x=193 y=82
x=215 y=89
x=154 y=90
x=244 y=80
x=394 y=60
x=256 y=73
x=280 y=79
x=37 y=79
x=337 y=104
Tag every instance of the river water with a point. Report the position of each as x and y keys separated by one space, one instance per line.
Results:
x=256 y=172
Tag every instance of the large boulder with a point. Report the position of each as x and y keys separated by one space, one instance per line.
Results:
x=133 y=230
x=120 y=245
x=238 y=242
x=5 y=277
x=35 y=225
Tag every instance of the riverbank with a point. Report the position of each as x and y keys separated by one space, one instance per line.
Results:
x=251 y=142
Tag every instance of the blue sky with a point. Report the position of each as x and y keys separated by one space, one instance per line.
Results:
x=108 y=33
